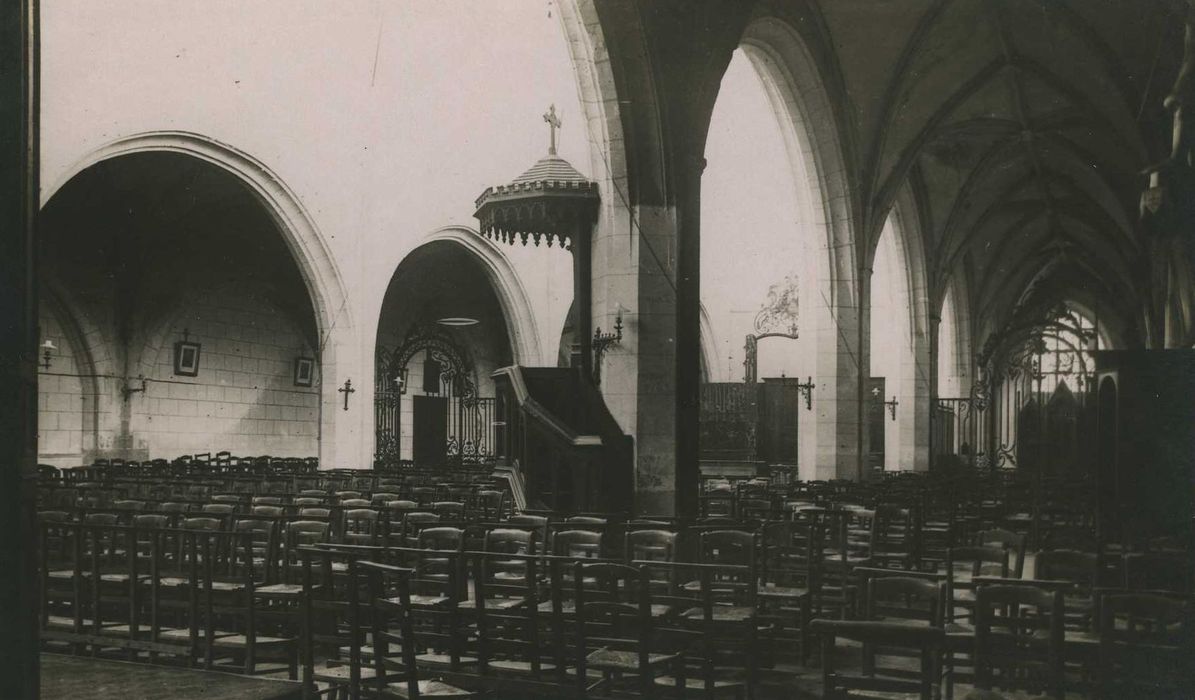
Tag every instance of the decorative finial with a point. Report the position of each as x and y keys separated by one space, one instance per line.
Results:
x=553 y=124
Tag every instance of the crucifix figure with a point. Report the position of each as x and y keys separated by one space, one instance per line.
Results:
x=346 y=390
x=553 y=124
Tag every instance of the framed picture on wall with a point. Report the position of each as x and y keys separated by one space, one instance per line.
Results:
x=304 y=371
x=186 y=358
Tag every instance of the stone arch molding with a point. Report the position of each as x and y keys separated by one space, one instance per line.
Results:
x=304 y=239
x=512 y=296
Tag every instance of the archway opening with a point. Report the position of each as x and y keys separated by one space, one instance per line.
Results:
x=442 y=331
x=891 y=389
x=752 y=283
x=197 y=325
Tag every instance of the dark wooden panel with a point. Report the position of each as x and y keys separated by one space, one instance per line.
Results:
x=430 y=423
x=98 y=679
x=779 y=413
x=729 y=421
x=876 y=415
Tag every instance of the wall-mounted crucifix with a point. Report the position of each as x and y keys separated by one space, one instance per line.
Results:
x=346 y=390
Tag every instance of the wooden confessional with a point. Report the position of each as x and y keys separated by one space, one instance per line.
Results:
x=1146 y=442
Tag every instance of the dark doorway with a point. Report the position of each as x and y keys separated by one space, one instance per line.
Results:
x=779 y=414
x=876 y=387
x=430 y=442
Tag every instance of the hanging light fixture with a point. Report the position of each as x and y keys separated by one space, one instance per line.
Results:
x=457 y=321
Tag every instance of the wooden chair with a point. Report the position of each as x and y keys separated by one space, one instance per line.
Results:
x=510 y=640
x=922 y=642
x=908 y=599
x=1157 y=571
x=1146 y=647
x=1019 y=639
x=727 y=617
x=1013 y=544
x=229 y=592
x=615 y=635
x=790 y=564
x=361 y=526
x=896 y=542
x=578 y=544
x=963 y=565
x=386 y=608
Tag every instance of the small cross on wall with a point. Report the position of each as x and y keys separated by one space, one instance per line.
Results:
x=346 y=390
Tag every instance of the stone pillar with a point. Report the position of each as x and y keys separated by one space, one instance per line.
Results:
x=935 y=325
x=687 y=475
x=583 y=294
x=18 y=347
x=346 y=436
x=862 y=399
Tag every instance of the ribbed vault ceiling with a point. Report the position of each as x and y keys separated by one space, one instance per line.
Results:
x=1021 y=127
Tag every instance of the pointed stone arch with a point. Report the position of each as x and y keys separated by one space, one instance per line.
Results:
x=341 y=439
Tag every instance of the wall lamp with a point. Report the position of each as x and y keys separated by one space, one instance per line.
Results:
x=602 y=342
x=48 y=349
x=401 y=380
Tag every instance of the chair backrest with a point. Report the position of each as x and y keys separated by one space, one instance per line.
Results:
x=212 y=524
x=442 y=538
x=904 y=598
x=151 y=520
x=491 y=503
x=1146 y=646
x=1013 y=544
x=449 y=510
x=383 y=497
x=649 y=545
x=355 y=503
x=306 y=532
x=1156 y=571
x=174 y=507
x=267 y=500
x=1019 y=633
x=577 y=543
x=315 y=512
x=218 y=508
x=916 y=641
x=267 y=511
x=100 y=519
x=361 y=526
x=1079 y=568
x=511 y=541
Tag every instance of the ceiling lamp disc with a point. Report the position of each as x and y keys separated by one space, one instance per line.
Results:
x=457 y=321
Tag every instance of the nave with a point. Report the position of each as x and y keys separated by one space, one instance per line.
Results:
x=421 y=582
x=759 y=348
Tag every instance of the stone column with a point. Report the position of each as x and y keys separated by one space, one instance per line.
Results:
x=18 y=347
x=687 y=474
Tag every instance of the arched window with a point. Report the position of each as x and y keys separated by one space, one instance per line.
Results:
x=949 y=370
x=750 y=253
x=1063 y=351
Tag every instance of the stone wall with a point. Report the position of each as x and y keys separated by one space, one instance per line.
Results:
x=243 y=399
